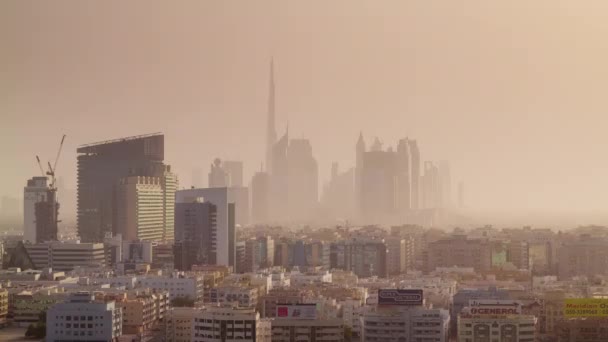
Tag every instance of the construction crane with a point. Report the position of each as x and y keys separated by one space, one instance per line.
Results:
x=53 y=168
x=47 y=210
x=40 y=166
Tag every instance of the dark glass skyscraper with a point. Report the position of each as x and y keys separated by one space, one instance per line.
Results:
x=101 y=166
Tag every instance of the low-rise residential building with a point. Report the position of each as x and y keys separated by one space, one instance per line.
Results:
x=231 y=323
x=405 y=324
x=81 y=318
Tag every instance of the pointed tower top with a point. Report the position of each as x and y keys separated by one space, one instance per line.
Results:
x=271 y=132
x=361 y=141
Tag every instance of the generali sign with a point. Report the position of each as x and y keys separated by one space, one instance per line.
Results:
x=494 y=307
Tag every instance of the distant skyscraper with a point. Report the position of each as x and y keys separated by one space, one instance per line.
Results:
x=260 y=196
x=403 y=176
x=234 y=169
x=431 y=187
x=445 y=182
x=359 y=152
x=35 y=192
x=101 y=166
x=271 y=133
x=227 y=173
x=339 y=193
x=303 y=177
x=386 y=181
x=279 y=180
x=195 y=232
x=415 y=174
x=218 y=177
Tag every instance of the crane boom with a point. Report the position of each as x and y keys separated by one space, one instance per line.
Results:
x=40 y=166
x=58 y=153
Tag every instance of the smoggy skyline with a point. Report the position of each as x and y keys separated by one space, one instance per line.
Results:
x=511 y=94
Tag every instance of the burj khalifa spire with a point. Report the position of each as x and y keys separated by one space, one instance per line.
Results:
x=271 y=133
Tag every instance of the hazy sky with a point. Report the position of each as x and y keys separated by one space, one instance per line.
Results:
x=513 y=93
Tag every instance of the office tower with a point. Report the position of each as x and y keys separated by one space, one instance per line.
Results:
x=260 y=197
x=169 y=183
x=227 y=202
x=460 y=252
x=415 y=174
x=378 y=184
x=303 y=180
x=35 y=191
x=234 y=169
x=195 y=232
x=218 y=177
x=279 y=180
x=101 y=166
x=82 y=318
x=359 y=152
x=445 y=183
x=431 y=188
x=339 y=193
x=139 y=209
x=226 y=174
x=47 y=214
x=271 y=133
x=403 y=176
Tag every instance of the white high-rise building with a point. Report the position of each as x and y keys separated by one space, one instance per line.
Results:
x=140 y=202
x=35 y=191
x=81 y=318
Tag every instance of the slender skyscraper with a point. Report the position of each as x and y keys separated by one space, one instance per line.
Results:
x=271 y=133
x=415 y=174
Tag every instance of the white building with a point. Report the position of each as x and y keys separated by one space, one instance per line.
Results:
x=81 y=318
x=501 y=320
x=34 y=192
x=403 y=323
x=140 y=208
x=178 y=285
x=65 y=256
x=230 y=203
x=227 y=324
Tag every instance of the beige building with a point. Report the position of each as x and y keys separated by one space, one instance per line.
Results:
x=231 y=323
x=504 y=328
x=140 y=213
x=143 y=310
x=459 y=251
x=290 y=329
x=179 y=323
x=3 y=307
